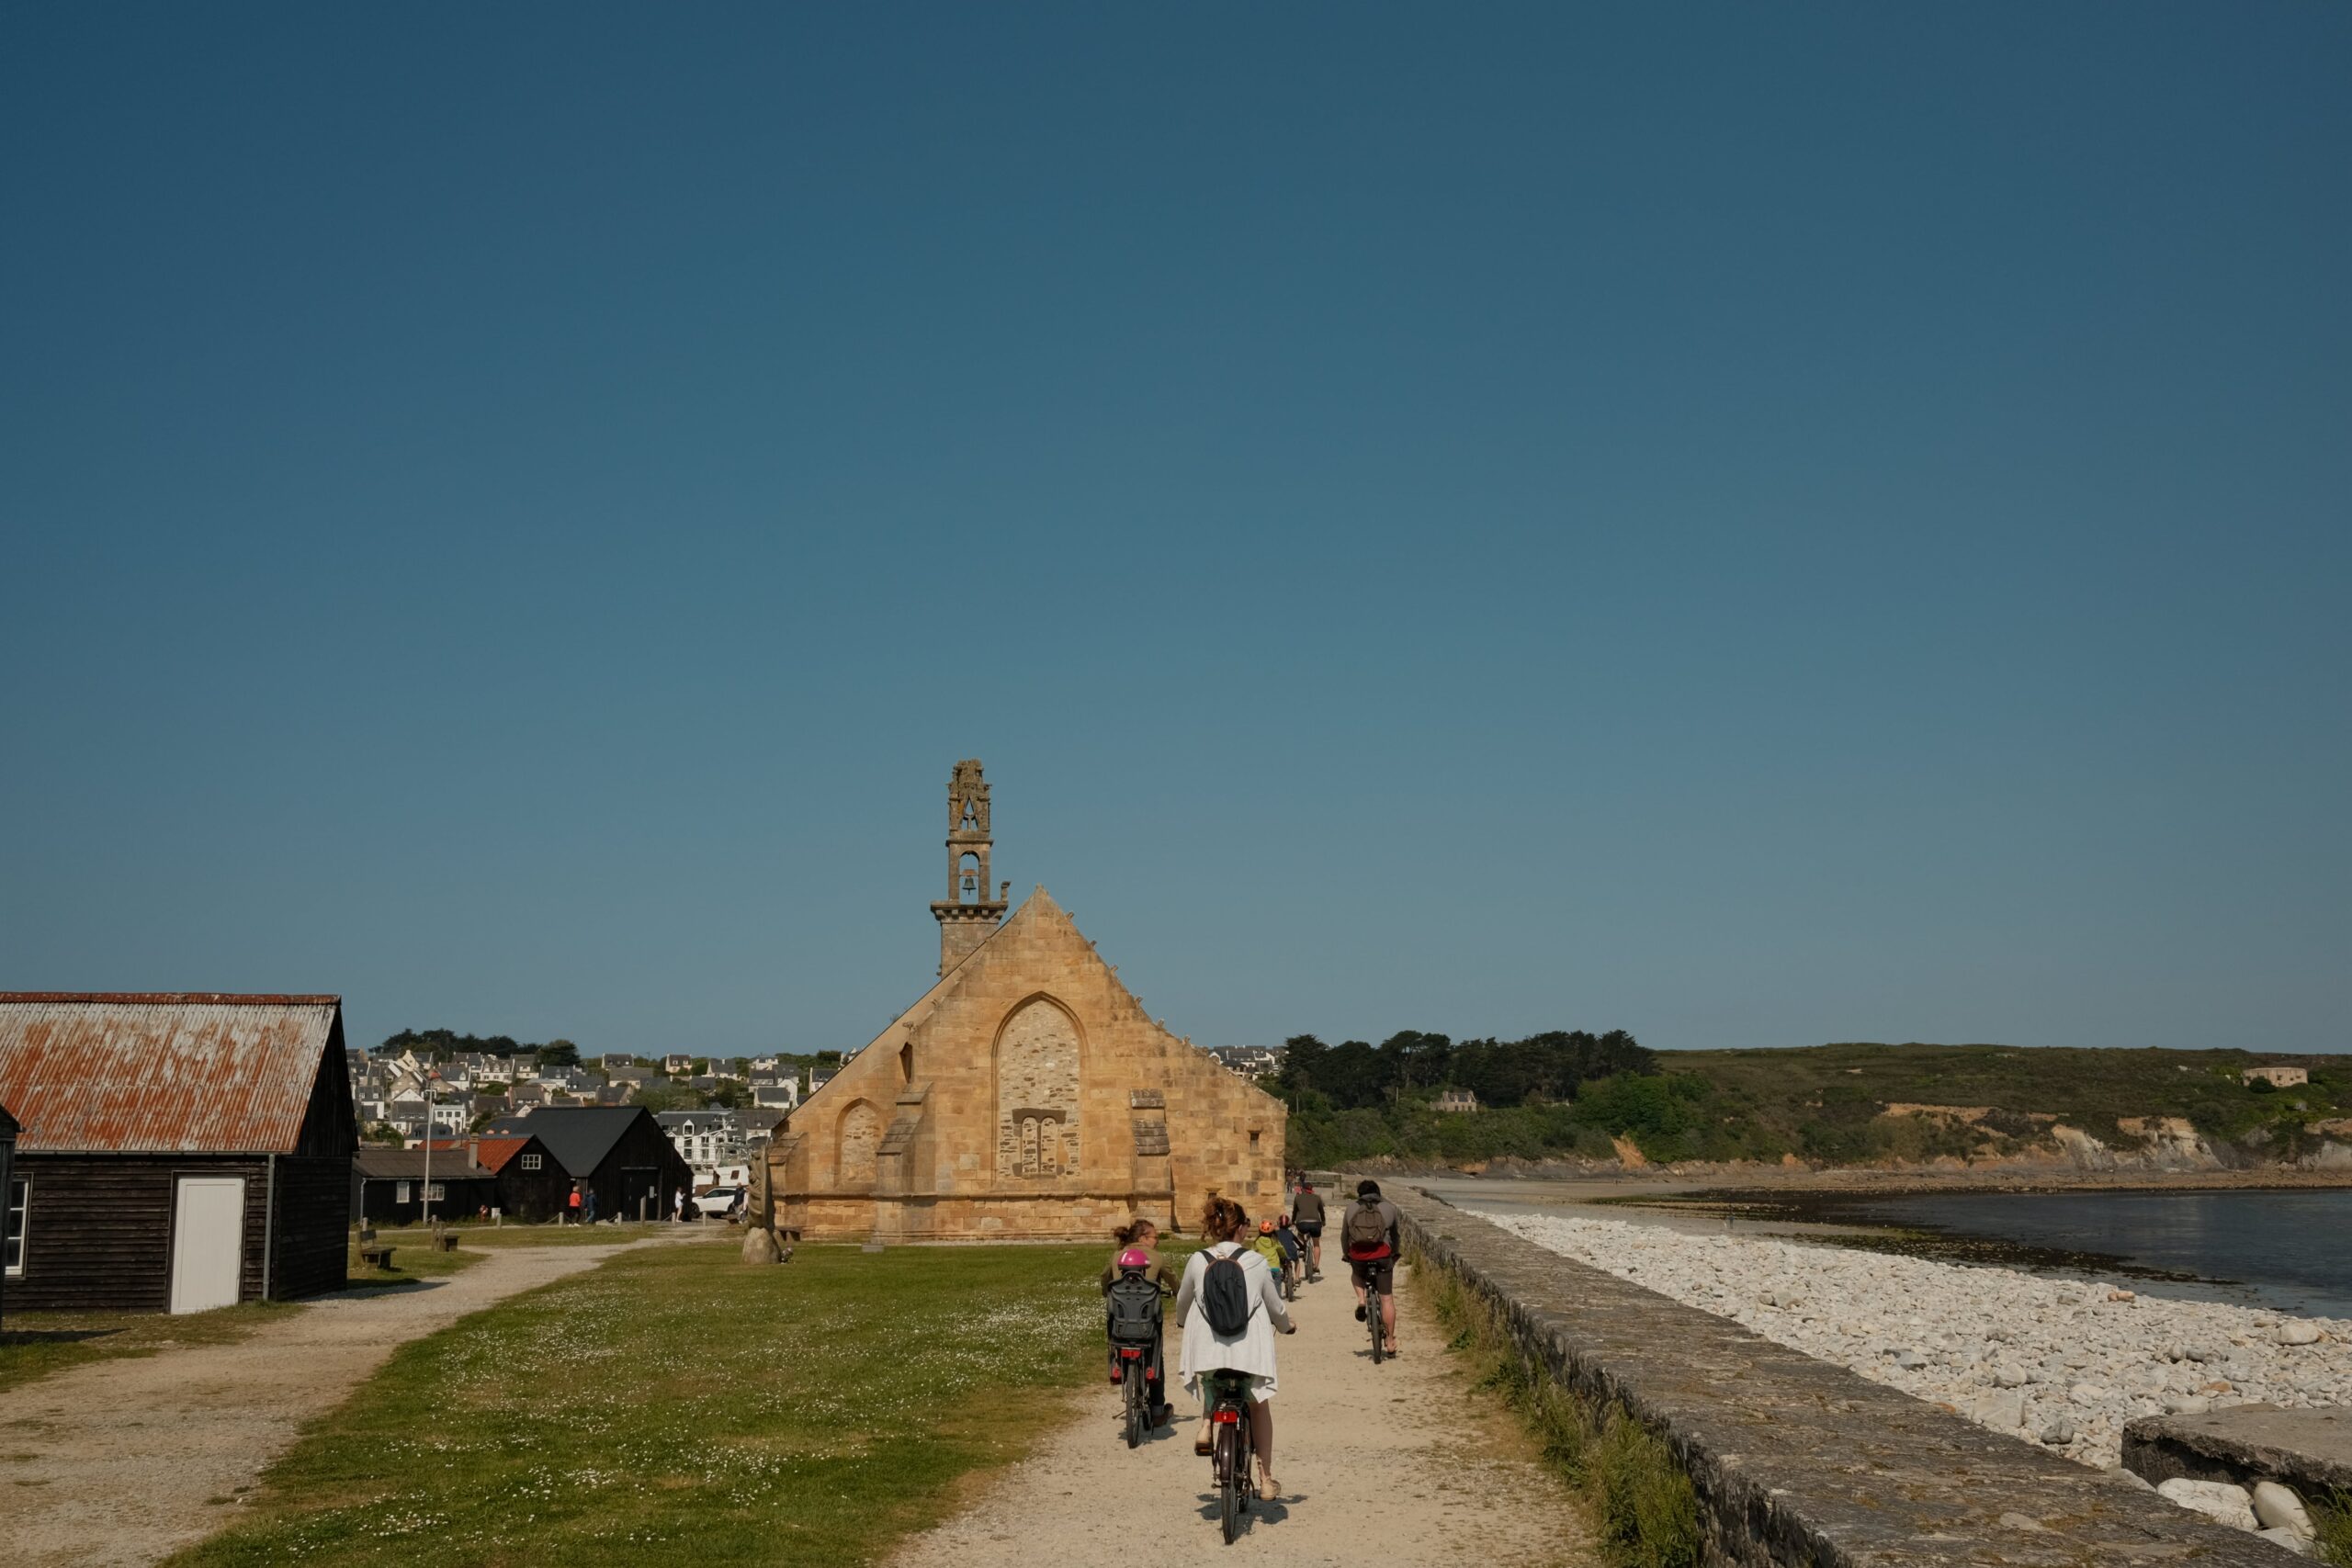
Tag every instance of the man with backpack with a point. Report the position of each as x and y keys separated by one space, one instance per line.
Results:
x=1369 y=1241
x=1306 y=1214
x=1227 y=1309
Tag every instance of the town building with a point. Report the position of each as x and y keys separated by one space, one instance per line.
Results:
x=1026 y=1094
x=2276 y=1076
x=176 y=1151
x=1253 y=1062
x=1457 y=1100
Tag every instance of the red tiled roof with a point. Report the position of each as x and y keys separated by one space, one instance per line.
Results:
x=178 y=1071
x=491 y=1152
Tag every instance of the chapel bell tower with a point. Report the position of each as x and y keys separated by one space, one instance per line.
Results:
x=967 y=914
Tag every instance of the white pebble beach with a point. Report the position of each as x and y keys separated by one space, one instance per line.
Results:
x=2064 y=1361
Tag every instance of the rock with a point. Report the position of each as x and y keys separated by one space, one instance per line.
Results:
x=2299 y=1544
x=2217 y=1500
x=2279 y=1508
x=2008 y=1377
x=1909 y=1361
x=2299 y=1333
x=2002 y=1411
x=2116 y=1296
x=2130 y=1477
x=2058 y=1433
x=2187 y=1405
x=2089 y=1393
x=2205 y=1353
x=759 y=1247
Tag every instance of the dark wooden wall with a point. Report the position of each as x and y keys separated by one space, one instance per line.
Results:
x=99 y=1232
x=313 y=1206
x=644 y=1144
x=379 y=1198
x=531 y=1195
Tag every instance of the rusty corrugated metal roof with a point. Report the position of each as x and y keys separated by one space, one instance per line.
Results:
x=177 y=1072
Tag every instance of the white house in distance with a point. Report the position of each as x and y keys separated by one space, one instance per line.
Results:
x=2276 y=1076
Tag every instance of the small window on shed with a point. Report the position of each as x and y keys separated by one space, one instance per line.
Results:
x=530 y=1162
x=400 y=1194
x=437 y=1193
x=12 y=1229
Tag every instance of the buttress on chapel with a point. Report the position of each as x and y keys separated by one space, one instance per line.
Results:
x=1025 y=1095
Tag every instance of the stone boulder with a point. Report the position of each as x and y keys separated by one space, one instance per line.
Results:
x=759 y=1247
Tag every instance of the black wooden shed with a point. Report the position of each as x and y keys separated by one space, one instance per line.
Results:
x=175 y=1151
x=619 y=1152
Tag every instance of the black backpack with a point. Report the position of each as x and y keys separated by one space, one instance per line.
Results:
x=1135 y=1309
x=1224 y=1296
x=1364 y=1232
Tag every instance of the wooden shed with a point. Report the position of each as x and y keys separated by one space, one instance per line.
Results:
x=176 y=1151
x=531 y=1183
x=619 y=1152
x=392 y=1187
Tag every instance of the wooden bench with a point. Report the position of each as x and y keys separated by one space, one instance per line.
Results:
x=376 y=1255
x=447 y=1241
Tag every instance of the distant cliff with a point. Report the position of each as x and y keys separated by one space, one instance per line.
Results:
x=1892 y=1107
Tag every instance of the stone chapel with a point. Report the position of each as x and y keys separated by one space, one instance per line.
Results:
x=1025 y=1095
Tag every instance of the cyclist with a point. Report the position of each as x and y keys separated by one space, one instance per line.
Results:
x=1252 y=1350
x=1268 y=1246
x=1137 y=1252
x=1307 y=1213
x=1370 y=1261
x=1294 y=1246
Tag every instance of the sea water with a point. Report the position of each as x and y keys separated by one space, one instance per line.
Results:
x=2288 y=1250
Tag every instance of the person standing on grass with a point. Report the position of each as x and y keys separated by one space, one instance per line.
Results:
x=571 y=1204
x=588 y=1207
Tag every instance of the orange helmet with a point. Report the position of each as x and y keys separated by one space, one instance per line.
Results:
x=1265 y=1227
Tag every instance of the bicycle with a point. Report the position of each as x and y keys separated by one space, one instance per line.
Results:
x=1369 y=1277
x=1229 y=1450
x=1134 y=1380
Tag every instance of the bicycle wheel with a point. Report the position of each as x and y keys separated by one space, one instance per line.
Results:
x=1228 y=1488
x=1372 y=1315
x=1135 y=1406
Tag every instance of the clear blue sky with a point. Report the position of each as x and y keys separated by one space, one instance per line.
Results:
x=1751 y=525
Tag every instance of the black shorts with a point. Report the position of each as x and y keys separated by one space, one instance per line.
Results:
x=1380 y=1272
x=1307 y=1230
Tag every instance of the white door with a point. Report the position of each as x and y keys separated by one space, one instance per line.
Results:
x=208 y=1242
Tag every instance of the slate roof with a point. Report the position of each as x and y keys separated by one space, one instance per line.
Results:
x=179 y=1072
x=578 y=1137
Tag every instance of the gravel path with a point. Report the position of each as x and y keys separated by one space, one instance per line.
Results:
x=2063 y=1361
x=125 y=1461
x=1390 y=1465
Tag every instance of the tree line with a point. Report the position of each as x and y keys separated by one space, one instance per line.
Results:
x=1542 y=1068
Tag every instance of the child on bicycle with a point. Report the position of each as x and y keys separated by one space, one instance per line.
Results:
x=1136 y=1257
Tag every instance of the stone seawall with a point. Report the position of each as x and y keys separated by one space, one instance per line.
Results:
x=1798 y=1462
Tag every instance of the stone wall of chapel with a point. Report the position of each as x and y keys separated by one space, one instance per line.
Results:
x=996 y=997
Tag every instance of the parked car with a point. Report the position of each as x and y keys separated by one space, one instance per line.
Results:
x=715 y=1203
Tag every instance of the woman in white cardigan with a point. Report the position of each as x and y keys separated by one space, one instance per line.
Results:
x=1252 y=1350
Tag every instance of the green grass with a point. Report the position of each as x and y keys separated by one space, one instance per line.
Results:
x=492 y=1236
x=2333 y=1517
x=676 y=1405
x=1644 y=1507
x=35 y=1344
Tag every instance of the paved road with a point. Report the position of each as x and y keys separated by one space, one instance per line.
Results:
x=125 y=1461
x=1389 y=1465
